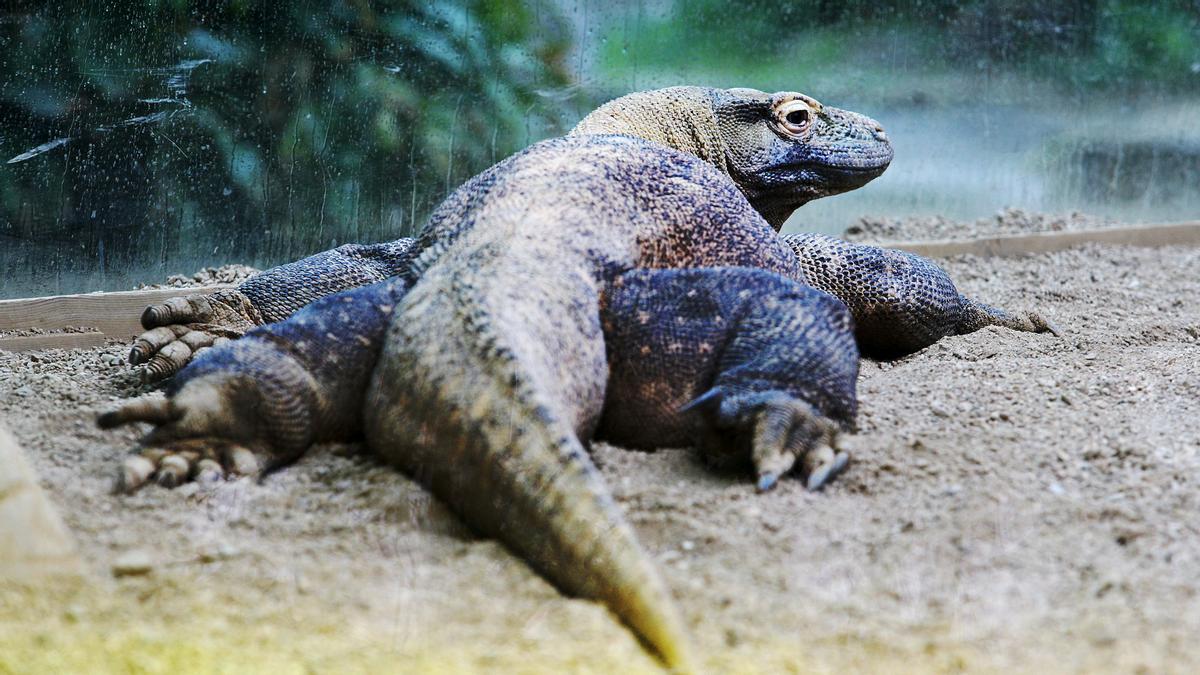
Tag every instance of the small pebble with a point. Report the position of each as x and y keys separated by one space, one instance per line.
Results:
x=220 y=551
x=135 y=562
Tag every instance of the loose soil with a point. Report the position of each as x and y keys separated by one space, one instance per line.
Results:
x=1016 y=502
x=1007 y=221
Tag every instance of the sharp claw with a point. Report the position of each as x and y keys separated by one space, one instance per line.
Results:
x=827 y=471
x=1044 y=325
x=241 y=461
x=173 y=470
x=135 y=471
x=209 y=471
x=767 y=481
x=818 y=477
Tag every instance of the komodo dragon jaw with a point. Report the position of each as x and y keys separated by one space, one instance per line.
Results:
x=782 y=150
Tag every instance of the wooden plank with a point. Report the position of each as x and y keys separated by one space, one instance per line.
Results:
x=52 y=341
x=116 y=315
x=1178 y=234
x=34 y=543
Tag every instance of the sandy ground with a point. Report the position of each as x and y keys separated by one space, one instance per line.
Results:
x=1016 y=503
x=1007 y=221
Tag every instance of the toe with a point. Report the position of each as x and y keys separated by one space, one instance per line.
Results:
x=135 y=471
x=177 y=310
x=152 y=410
x=824 y=465
x=173 y=470
x=167 y=361
x=240 y=460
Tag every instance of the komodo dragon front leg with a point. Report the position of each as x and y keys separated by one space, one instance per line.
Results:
x=176 y=330
x=901 y=302
x=751 y=368
x=260 y=402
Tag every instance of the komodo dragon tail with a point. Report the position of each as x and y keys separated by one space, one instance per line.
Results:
x=468 y=415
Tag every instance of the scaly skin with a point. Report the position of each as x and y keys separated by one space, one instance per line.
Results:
x=901 y=302
x=748 y=366
x=492 y=414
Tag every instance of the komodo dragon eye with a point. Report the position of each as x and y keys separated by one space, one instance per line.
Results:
x=794 y=116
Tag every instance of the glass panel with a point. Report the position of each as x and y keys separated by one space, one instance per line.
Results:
x=151 y=137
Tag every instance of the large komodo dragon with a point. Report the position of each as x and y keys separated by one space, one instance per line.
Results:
x=479 y=366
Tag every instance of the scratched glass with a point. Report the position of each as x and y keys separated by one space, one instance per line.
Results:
x=140 y=139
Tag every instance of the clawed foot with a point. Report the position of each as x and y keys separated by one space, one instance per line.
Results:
x=786 y=430
x=776 y=431
x=201 y=460
x=184 y=444
x=182 y=327
x=222 y=417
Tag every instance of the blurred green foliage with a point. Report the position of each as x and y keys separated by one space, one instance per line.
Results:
x=1078 y=46
x=255 y=131
x=152 y=136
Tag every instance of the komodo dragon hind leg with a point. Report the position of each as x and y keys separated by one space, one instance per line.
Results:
x=976 y=315
x=776 y=358
x=257 y=404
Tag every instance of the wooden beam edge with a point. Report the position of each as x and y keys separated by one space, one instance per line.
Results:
x=1149 y=236
x=26 y=343
x=117 y=315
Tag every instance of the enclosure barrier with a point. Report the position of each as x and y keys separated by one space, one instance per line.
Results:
x=1175 y=234
x=115 y=316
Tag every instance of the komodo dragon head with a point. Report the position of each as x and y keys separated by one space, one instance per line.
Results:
x=782 y=150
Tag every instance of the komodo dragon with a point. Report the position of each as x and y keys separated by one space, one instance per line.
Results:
x=508 y=276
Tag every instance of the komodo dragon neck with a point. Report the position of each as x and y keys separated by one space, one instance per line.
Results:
x=679 y=117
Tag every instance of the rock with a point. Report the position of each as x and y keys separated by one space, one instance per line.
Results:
x=34 y=543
